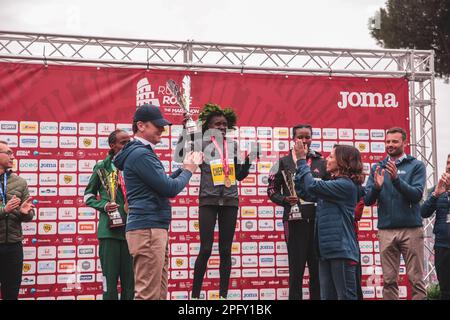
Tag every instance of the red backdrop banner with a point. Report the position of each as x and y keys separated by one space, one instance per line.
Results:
x=57 y=119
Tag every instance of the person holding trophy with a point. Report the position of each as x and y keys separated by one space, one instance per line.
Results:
x=222 y=167
x=107 y=182
x=299 y=214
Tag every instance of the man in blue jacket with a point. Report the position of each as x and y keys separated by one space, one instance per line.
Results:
x=148 y=192
x=439 y=202
x=397 y=183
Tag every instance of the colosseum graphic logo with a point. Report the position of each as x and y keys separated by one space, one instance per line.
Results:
x=144 y=93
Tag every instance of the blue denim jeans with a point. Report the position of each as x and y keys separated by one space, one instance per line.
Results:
x=337 y=279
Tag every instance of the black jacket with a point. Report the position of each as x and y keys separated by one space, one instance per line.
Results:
x=277 y=189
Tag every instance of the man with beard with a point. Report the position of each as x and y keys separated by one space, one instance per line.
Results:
x=397 y=183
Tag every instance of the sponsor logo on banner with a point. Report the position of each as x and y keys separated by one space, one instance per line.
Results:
x=366 y=246
x=264 y=132
x=179 y=212
x=12 y=141
x=66 y=266
x=163 y=145
x=48 y=142
x=67 y=179
x=195 y=179
x=249 y=261
x=263 y=179
x=179 y=249
x=213 y=262
x=282 y=260
x=180 y=275
x=266 y=247
x=367 y=99
x=86 y=213
x=280 y=145
x=66 y=213
x=28 y=281
x=194 y=226
x=247 y=132
x=47 y=252
x=47 y=266
x=104 y=129
x=87 y=142
x=33 y=191
x=47 y=279
x=248 y=191
x=316 y=133
x=179 y=226
x=362 y=147
x=67 y=227
x=9 y=127
x=365 y=225
x=103 y=143
x=328 y=145
x=87 y=128
x=29 y=127
x=266 y=261
x=87 y=251
x=265 y=145
x=249 y=273
x=250 y=180
x=368 y=292
x=367 y=259
x=29 y=267
x=377 y=134
x=262 y=191
x=48 y=127
x=68 y=142
x=67 y=192
x=86 y=165
x=126 y=127
x=266 y=212
x=378 y=147
x=267 y=272
x=281 y=247
x=366 y=168
x=345 y=134
x=86 y=265
x=266 y=225
x=67 y=252
x=367 y=212
x=194 y=248
x=86 y=278
x=86 y=227
x=30 y=178
x=248 y=225
x=83 y=179
x=48 y=165
x=28 y=141
x=281 y=133
x=264 y=167
x=179 y=262
x=329 y=133
x=282 y=293
x=47 y=214
x=47 y=228
x=68 y=128
x=250 y=294
x=29 y=228
x=29 y=253
x=248 y=212
x=316 y=146
x=194 y=191
x=267 y=294
x=179 y=295
x=361 y=134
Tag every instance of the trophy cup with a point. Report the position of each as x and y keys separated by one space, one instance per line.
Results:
x=111 y=182
x=184 y=101
x=295 y=213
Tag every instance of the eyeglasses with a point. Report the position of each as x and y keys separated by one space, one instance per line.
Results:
x=9 y=153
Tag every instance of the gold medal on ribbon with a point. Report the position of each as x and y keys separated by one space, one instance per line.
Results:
x=227 y=182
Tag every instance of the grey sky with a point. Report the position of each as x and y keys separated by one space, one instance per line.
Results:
x=325 y=23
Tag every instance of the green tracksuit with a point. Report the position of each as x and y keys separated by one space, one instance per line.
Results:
x=115 y=258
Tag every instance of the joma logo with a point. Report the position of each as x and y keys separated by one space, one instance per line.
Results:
x=367 y=99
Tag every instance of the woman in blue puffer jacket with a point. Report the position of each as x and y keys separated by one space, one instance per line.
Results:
x=335 y=233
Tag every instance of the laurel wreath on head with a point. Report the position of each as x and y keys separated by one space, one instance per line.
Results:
x=210 y=110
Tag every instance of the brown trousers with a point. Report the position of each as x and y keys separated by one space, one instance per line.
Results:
x=149 y=248
x=409 y=243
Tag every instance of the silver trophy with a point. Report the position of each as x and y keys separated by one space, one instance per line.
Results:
x=184 y=101
x=295 y=213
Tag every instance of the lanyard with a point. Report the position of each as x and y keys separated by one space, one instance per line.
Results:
x=226 y=168
x=3 y=192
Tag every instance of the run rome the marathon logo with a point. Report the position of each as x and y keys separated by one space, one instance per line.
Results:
x=367 y=99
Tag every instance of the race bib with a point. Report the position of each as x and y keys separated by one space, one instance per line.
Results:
x=218 y=174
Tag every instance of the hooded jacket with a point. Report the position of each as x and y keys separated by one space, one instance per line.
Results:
x=148 y=186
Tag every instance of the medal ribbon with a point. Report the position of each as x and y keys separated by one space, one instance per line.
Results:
x=226 y=168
